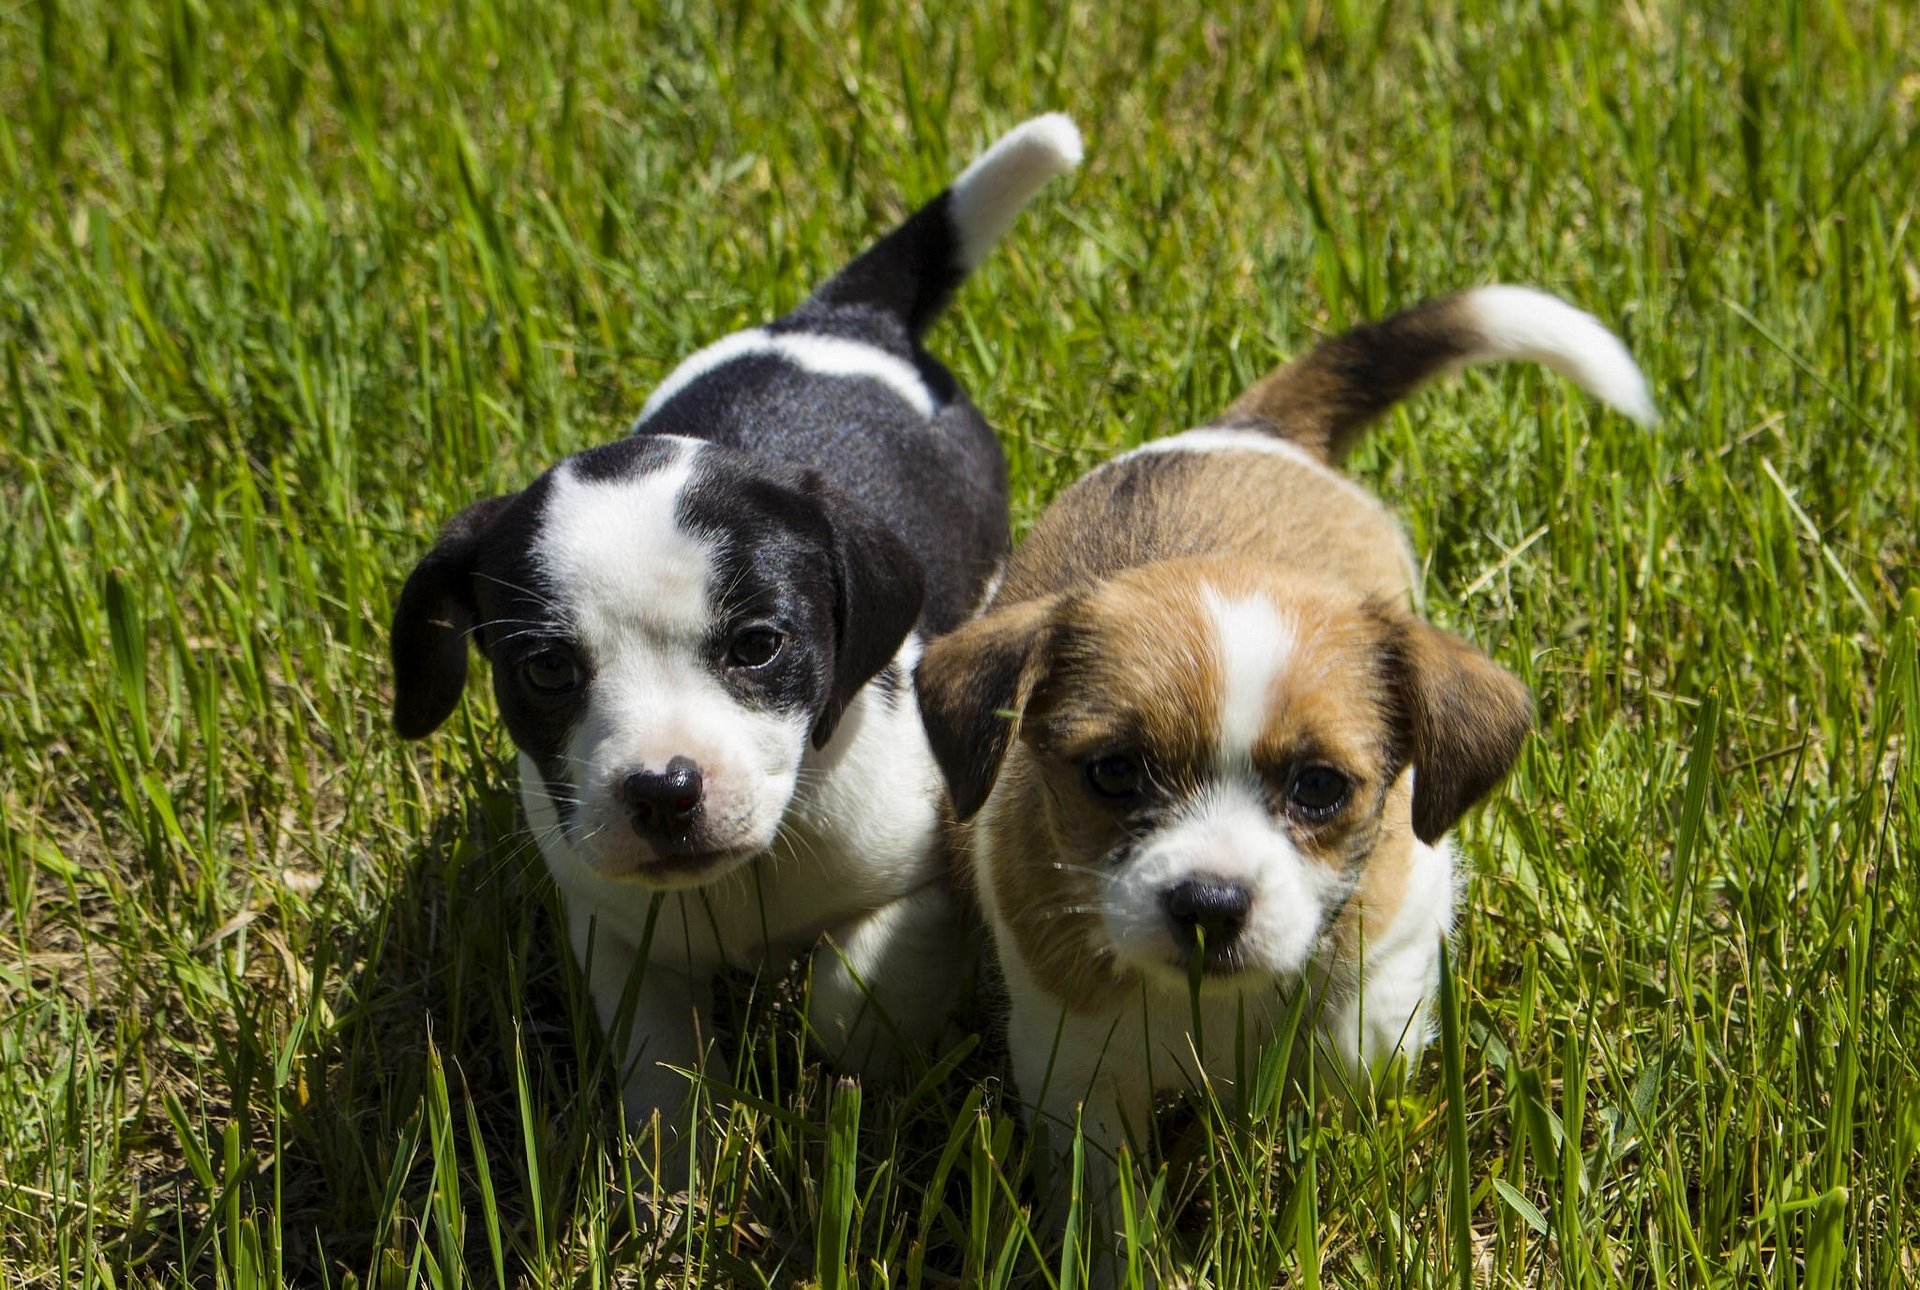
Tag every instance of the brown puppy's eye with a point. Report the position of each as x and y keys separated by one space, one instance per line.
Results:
x=1115 y=775
x=552 y=672
x=755 y=647
x=1317 y=791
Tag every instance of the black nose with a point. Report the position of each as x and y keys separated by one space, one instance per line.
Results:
x=663 y=801
x=1208 y=907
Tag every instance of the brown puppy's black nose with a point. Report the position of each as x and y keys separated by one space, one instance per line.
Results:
x=663 y=801
x=1208 y=907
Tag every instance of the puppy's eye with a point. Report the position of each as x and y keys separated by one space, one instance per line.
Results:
x=755 y=647
x=1318 y=791
x=1116 y=775
x=552 y=672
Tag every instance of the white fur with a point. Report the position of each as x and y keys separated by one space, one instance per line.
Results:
x=1521 y=323
x=816 y=355
x=838 y=356
x=1235 y=439
x=1230 y=438
x=1389 y=1009
x=837 y=842
x=1104 y=1068
x=853 y=840
x=990 y=192
x=880 y=972
x=1227 y=833
x=855 y=843
x=1253 y=643
x=635 y=587
x=855 y=863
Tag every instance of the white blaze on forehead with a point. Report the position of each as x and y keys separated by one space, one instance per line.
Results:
x=833 y=356
x=1253 y=643
x=636 y=587
x=618 y=560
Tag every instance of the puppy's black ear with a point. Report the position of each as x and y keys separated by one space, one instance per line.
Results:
x=431 y=622
x=879 y=588
x=973 y=684
x=1462 y=716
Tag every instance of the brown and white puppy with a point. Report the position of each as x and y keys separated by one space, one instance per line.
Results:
x=1199 y=729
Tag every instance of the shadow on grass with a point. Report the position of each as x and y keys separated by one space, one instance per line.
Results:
x=454 y=1039
x=450 y=1101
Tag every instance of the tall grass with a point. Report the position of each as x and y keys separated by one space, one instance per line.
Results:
x=283 y=285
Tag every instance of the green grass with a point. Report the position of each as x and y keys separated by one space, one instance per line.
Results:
x=283 y=285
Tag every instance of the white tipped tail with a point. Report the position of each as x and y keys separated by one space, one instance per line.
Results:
x=1521 y=323
x=990 y=192
x=1324 y=398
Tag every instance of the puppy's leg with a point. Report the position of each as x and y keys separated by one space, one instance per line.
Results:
x=1090 y=1070
x=1390 y=1013
x=884 y=983
x=658 y=1022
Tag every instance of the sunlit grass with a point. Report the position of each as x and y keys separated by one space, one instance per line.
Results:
x=282 y=999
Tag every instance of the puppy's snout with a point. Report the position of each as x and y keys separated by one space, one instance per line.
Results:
x=664 y=802
x=1210 y=908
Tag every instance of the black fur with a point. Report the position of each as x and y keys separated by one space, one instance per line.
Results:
x=834 y=503
x=938 y=484
x=906 y=277
x=432 y=620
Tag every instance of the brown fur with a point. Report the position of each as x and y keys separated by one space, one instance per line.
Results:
x=1133 y=664
x=1165 y=505
x=1099 y=639
x=1324 y=398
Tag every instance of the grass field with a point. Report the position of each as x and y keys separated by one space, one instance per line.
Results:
x=283 y=285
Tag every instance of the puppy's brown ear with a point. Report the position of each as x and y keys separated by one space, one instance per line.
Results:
x=431 y=622
x=973 y=683
x=1462 y=717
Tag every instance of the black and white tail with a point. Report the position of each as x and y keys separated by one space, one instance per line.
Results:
x=1324 y=398
x=912 y=272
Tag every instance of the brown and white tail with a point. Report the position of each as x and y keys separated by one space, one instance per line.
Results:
x=1324 y=398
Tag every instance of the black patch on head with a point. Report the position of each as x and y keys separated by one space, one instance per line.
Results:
x=794 y=554
x=772 y=552
x=481 y=583
x=520 y=619
x=523 y=616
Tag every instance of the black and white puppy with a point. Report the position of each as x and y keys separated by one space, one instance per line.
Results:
x=702 y=638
